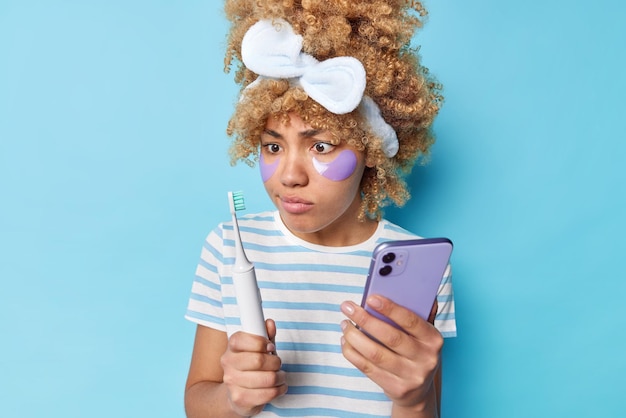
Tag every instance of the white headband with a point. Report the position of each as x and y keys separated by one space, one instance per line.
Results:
x=272 y=49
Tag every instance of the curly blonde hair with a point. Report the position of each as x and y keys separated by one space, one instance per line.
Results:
x=378 y=34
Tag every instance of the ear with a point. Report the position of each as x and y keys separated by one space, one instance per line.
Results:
x=369 y=161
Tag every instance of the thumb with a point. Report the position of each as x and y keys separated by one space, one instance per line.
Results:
x=270 y=325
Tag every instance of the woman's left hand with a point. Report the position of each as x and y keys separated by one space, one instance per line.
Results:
x=402 y=363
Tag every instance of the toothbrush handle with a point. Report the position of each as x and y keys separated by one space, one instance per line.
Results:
x=249 y=302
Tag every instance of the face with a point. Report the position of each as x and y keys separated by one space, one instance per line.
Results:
x=313 y=181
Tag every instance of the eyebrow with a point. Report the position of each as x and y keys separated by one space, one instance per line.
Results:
x=309 y=133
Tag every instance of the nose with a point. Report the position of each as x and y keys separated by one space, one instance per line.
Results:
x=293 y=170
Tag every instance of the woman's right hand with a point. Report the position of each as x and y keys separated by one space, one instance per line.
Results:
x=252 y=372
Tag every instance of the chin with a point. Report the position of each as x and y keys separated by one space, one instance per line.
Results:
x=299 y=225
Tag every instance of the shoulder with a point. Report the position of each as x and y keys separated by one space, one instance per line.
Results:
x=261 y=223
x=265 y=219
x=390 y=231
x=260 y=228
x=261 y=220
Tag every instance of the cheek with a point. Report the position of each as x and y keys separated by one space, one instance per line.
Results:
x=267 y=170
x=340 y=168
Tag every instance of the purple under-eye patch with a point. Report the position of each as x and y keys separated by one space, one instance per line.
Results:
x=340 y=168
x=267 y=170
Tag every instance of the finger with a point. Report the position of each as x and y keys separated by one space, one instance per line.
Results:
x=247 y=352
x=373 y=359
x=270 y=325
x=256 y=396
x=433 y=312
x=241 y=342
x=246 y=362
x=250 y=401
x=420 y=338
x=406 y=319
x=391 y=337
x=255 y=379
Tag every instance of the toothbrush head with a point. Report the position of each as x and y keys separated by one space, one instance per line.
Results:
x=235 y=199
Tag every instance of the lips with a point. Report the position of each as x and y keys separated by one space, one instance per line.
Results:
x=295 y=205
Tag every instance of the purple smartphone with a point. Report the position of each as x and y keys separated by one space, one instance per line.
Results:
x=409 y=273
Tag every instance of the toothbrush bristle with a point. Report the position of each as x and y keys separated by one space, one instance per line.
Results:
x=238 y=201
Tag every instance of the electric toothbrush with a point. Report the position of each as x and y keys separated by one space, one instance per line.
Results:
x=244 y=278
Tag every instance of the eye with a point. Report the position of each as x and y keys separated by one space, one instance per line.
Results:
x=272 y=148
x=323 y=147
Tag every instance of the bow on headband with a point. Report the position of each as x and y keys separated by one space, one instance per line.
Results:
x=272 y=49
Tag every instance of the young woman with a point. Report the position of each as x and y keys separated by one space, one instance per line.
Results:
x=336 y=110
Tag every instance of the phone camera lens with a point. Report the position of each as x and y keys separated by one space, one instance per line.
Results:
x=384 y=271
x=389 y=257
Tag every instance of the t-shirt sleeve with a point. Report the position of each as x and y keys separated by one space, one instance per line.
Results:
x=205 y=306
x=445 y=321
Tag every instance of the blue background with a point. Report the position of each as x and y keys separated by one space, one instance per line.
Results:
x=113 y=168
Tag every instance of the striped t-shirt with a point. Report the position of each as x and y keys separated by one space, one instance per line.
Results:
x=302 y=286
